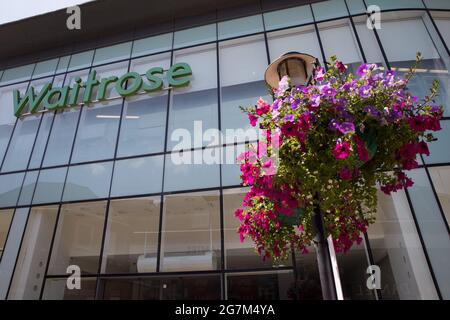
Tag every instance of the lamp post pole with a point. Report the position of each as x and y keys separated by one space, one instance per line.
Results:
x=300 y=68
x=327 y=282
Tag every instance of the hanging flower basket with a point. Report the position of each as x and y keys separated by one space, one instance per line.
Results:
x=329 y=145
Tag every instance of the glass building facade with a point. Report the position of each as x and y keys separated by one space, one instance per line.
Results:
x=94 y=185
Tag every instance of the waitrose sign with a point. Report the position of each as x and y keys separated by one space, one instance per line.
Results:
x=52 y=98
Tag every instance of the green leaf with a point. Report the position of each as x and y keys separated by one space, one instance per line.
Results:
x=293 y=220
x=369 y=136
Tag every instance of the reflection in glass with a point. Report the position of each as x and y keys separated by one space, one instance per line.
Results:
x=433 y=228
x=193 y=36
x=10 y=188
x=26 y=194
x=441 y=181
x=192 y=170
x=261 y=286
x=198 y=287
x=21 y=144
x=238 y=254
x=5 y=221
x=397 y=250
x=287 y=17
x=90 y=181
x=151 y=45
x=131 y=241
x=137 y=176
x=32 y=261
x=112 y=53
x=191 y=232
x=78 y=237
x=143 y=126
x=41 y=140
x=56 y=289
x=50 y=186
x=97 y=132
x=240 y=27
x=61 y=138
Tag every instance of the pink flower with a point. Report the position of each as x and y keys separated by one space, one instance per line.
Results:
x=363 y=154
x=320 y=74
x=262 y=107
x=341 y=67
x=341 y=150
x=253 y=119
x=345 y=174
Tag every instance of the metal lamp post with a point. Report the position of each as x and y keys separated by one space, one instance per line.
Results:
x=299 y=67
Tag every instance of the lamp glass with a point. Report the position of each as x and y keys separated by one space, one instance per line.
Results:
x=295 y=69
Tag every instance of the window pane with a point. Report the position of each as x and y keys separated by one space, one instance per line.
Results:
x=193 y=36
x=63 y=63
x=403 y=35
x=11 y=249
x=81 y=60
x=397 y=4
x=437 y=4
x=26 y=195
x=182 y=171
x=5 y=222
x=89 y=181
x=197 y=287
x=433 y=229
x=131 y=241
x=239 y=255
x=329 y=9
x=287 y=17
x=441 y=180
x=368 y=41
x=17 y=74
x=112 y=53
x=352 y=273
x=56 y=289
x=61 y=138
x=439 y=150
x=32 y=261
x=442 y=20
x=21 y=144
x=137 y=176
x=97 y=132
x=45 y=68
x=143 y=126
x=356 y=6
x=50 y=186
x=151 y=45
x=196 y=105
x=191 y=232
x=260 y=286
x=240 y=27
x=231 y=173
x=10 y=188
x=78 y=237
x=338 y=39
x=41 y=140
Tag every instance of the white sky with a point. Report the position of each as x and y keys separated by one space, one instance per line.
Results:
x=12 y=10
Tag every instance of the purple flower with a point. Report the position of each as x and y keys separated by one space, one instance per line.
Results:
x=333 y=124
x=315 y=100
x=328 y=91
x=276 y=104
x=348 y=86
x=372 y=111
x=294 y=103
x=364 y=91
x=289 y=117
x=346 y=127
x=320 y=74
x=283 y=85
x=365 y=68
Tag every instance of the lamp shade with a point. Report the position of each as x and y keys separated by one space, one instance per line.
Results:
x=298 y=66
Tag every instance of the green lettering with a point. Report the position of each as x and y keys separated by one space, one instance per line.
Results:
x=75 y=91
x=156 y=83
x=61 y=101
x=101 y=94
x=176 y=71
x=29 y=98
x=132 y=87
x=91 y=82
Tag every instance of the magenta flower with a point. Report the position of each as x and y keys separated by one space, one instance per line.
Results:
x=345 y=174
x=342 y=149
x=340 y=66
x=253 y=119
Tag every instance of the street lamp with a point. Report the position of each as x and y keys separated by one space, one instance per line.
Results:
x=300 y=67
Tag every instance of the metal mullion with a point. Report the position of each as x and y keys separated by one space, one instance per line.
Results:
x=166 y=137
x=108 y=203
